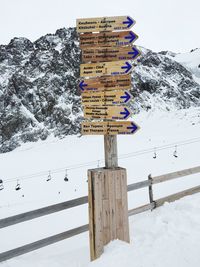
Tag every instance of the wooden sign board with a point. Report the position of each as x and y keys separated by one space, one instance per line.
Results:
x=104 y=24
x=106 y=112
x=107 y=39
x=105 y=98
x=105 y=68
x=106 y=83
x=102 y=54
x=109 y=128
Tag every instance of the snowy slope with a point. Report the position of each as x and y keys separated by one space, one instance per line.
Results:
x=191 y=61
x=158 y=129
x=168 y=236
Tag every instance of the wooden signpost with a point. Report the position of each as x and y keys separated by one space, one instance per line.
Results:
x=102 y=54
x=109 y=127
x=107 y=112
x=106 y=83
x=104 y=24
x=107 y=52
x=105 y=68
x=109 y=39
x=106 y=98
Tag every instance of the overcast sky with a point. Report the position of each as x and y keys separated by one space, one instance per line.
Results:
x=161 y=24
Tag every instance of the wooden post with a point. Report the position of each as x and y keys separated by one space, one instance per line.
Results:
x=110 y=148
x=151 y=192
x=108 y=208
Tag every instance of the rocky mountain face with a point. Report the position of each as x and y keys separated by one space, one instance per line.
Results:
x=39 y=95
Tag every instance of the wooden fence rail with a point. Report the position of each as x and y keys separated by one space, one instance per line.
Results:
x=30 y=215
x=83 y=200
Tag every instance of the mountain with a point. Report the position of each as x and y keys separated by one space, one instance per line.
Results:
x=39 y=95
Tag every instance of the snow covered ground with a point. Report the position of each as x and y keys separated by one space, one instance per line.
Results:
x=152 y=234
x=168 y=236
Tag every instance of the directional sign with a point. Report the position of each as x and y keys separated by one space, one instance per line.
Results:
x=105 y=68
x=106 y=112
x=104 y=24
x=102 y=54
x=106 y=83
x=109 y=128
x=107 y=39
x=106 y=98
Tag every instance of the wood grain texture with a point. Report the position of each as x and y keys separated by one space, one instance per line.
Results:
x=108 y=127
x=106 y=54
x=110 y=207
x=101 y=24
x=171 y=198
x=105 y=98
x=110 y=151
x=107 y=39
x=104 y=68
x=107 y=83
x=174 y=175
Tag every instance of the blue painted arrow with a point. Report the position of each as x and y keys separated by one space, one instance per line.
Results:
x=126 y=113
x=82 y=85
x=131 y=37
x=129 y=22
x=133 y=127
x=127 y=96
x=135 y=52
x=127 y=67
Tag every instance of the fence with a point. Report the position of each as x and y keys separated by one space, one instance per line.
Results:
x=84 y=200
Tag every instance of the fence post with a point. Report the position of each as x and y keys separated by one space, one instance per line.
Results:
x=151 y=192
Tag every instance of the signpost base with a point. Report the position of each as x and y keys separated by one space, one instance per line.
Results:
x=108 y=208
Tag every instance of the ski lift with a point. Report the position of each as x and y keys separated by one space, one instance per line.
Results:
x=1 y=184
x=49 y=177
x=154 y=155
x=175 y=152
x=17 y=187
x=66 y=179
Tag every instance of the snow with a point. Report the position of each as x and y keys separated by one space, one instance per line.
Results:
x=155 y=241
x=154 y=235
x=191 y=61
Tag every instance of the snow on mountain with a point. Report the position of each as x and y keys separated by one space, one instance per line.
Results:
x=191 y=61
x=39 y=93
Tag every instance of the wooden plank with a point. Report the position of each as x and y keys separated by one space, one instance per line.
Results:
x=104 y=24
x=140 y=209
x=42 y=212
x=125 y=226
x=138 y=185
x=98 y=210
x=106 y=83
x=112 y=39
x=109 y=128
x=91 y=215
x=106 y=112
x=106 y=98
x=171 y=198
x=112 y=204
x=105 y=54
x=42 y=243
x=174 y=175
x=106 y=222
x=105 y=68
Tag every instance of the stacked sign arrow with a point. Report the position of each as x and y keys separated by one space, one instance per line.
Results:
x=107 y=49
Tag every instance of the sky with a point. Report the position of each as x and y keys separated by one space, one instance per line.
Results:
x=161 y=25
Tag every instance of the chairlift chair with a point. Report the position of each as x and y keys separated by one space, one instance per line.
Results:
x=17 y=187
x=66 y=179
x=1 y=184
